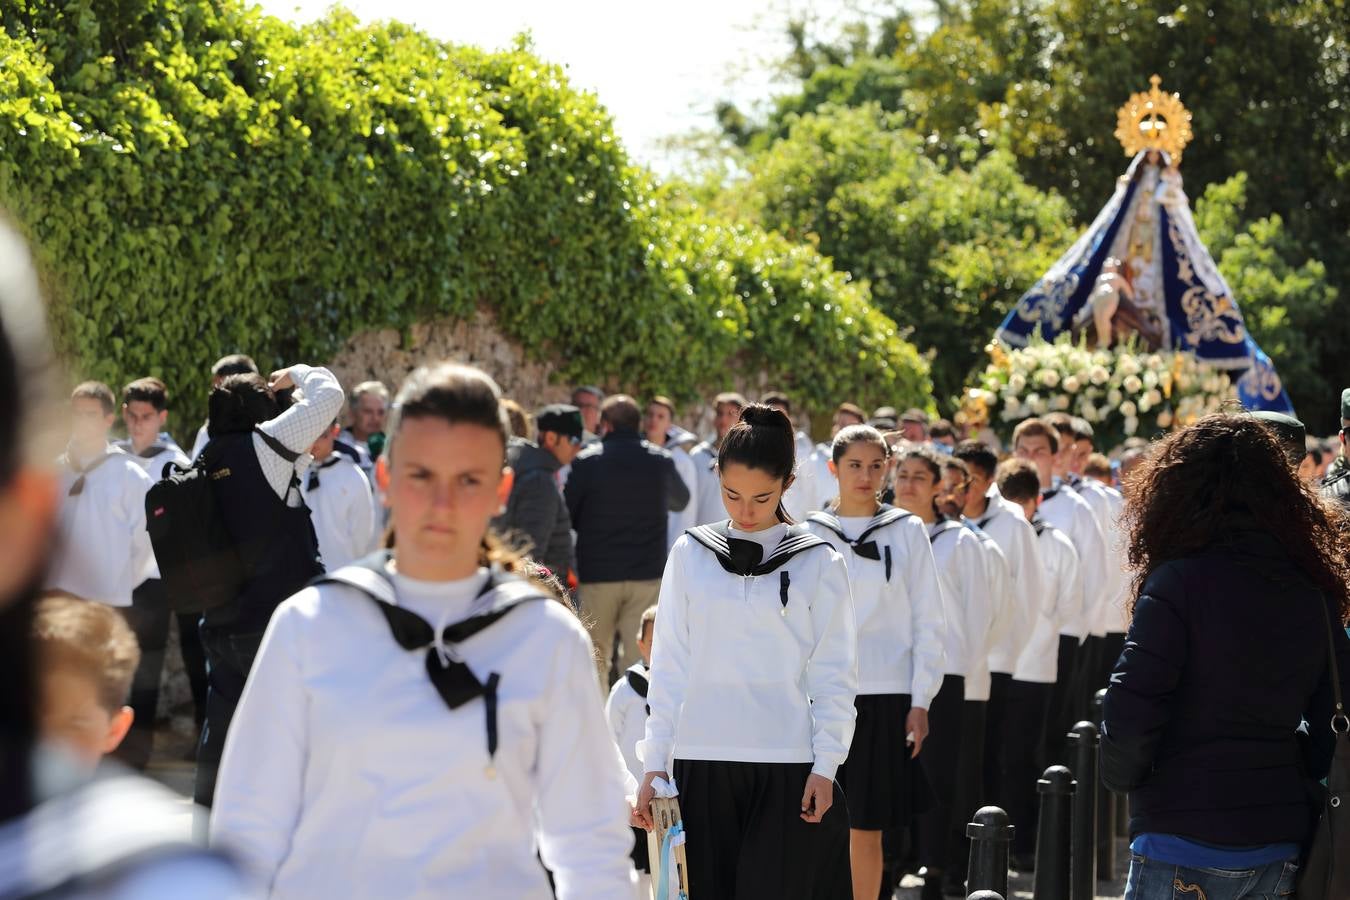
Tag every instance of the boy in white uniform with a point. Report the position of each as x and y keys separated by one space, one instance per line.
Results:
x=626 y=711
x=145 y=413
x=340 y=504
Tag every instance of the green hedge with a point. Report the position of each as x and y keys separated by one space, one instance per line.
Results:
x=202 y=179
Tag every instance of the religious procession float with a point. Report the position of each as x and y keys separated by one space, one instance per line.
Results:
x=1133 y=329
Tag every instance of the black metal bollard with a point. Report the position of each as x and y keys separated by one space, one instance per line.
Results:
x=985 y=895
x=1106 y=811
x=1083 y=744
x=1051 y=881
x=990 y=838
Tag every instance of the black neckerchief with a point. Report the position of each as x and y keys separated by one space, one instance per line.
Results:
x=886 y=515
x=348 y=451
x=1049 y=494
x=313 y=481
x=453 y=680
x=68 y=461
x=941 y=527
x=741 y=557
x=1040 y=525
x=148 y=453
x=637 y=680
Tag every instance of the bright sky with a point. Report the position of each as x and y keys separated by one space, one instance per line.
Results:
x=658 y=66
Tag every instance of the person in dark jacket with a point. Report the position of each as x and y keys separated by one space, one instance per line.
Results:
x=260 y=432
x=536 y=520
x=618 y=495
x=1218 y=716
x=1336 y=486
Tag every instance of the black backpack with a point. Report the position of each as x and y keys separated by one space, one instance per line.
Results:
x=199 y=561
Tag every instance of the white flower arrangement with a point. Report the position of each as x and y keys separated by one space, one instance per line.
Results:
x=1122 y=391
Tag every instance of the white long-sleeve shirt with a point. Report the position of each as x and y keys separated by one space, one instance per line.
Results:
x=342 y=510
x=1007 y=525
x=153 y=459
x=709 y=486
x=1071 y=514
x=102 y=548
x=1039 y=662
x=1108 y=504
x=626 y=712
x=678 y=521
x=968 y=605
x=1002 y=602
x=318 y=403
x=897 y=604
x=346 y=775
x=737 y=676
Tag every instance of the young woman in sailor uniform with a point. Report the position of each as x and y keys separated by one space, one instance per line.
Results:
x=970 y=618
x=897 y=603
x=424 y=722
x=752 y=685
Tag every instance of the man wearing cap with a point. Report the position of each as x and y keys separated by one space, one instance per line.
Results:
x=914 y=425
x=1336 y=485
x=536 y=518
x=1290 y=432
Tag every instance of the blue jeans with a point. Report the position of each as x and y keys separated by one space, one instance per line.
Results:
x=1151 y=879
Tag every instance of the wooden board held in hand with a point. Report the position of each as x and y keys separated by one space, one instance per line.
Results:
x=665 y=814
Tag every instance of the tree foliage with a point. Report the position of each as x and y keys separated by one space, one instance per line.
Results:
x=945 y=251
x=1268 y=84
x=201 y=178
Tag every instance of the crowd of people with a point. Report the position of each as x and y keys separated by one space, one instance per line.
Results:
x=464 y=646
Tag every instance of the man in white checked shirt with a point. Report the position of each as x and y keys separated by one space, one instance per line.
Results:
x=260 y=433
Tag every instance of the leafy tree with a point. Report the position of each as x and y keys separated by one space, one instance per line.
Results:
x=946 y=251
x=201 y=178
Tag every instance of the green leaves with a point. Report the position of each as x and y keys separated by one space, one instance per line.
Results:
x=201 y=179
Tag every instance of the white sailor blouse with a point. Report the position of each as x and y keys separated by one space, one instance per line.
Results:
x=755 y=653
x=897 y=602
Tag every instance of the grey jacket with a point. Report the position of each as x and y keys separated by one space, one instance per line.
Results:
x=536 y=520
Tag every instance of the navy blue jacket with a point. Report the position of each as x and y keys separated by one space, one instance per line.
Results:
x=1226 y=655
x=618 y=494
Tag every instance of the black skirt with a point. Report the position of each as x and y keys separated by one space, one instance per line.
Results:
x=745 y=838
x=880 y=779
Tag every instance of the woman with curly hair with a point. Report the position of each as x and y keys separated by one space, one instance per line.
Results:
x=1240 y=576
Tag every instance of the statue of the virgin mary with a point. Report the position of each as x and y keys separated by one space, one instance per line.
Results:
x=1140 y=270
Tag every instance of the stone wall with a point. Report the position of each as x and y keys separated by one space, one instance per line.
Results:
x=382 y=355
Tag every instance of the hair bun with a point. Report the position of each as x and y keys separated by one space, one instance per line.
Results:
x=759 y=415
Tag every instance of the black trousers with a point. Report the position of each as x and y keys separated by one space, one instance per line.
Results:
x=229 y=657
x=939 y=761
x=148 y=617
x=194 y=662
x=1023 y=758
x=1064 y=702
x=746 y=839
x=1111 y=647
x=995 y=725
x=970 y=794
x=1089 y=679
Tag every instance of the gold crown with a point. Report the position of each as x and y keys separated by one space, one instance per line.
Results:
x=1154 y=121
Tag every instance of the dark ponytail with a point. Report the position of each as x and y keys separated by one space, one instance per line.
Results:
x=762 y=440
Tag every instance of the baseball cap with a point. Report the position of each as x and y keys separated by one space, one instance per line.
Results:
x=560 y=418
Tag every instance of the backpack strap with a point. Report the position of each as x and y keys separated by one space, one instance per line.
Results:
x=453 y=679
x=277 y=446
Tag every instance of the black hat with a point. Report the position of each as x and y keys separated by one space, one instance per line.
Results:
x=1290 y=432
x=1345 y=405
x=560 y=418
